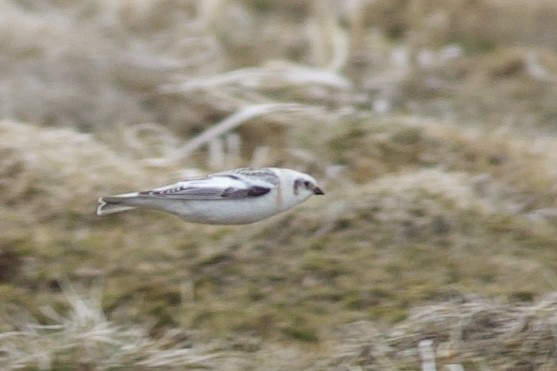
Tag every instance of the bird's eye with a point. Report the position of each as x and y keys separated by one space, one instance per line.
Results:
x=307 y=184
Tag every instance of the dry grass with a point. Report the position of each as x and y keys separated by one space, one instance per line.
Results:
x=83 y=337
x=467 y=332
x=39 y=182
x=430 y=124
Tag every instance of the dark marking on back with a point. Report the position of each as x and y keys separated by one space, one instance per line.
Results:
x=163 y=192
x=231 y=176
x=254 y=191
x=264 y=174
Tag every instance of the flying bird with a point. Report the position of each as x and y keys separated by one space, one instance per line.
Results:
x=238 y=196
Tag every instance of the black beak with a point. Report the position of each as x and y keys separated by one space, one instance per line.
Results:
x=318 y=191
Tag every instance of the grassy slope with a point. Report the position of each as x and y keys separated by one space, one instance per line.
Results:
x=420 y=212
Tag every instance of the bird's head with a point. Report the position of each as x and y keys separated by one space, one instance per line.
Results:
x=301 y=185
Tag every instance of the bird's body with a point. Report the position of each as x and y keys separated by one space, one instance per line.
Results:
x=237 y=196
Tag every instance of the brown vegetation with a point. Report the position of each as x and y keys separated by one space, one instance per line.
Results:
x=430 y=123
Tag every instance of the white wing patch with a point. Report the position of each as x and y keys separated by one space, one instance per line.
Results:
x=214 y=187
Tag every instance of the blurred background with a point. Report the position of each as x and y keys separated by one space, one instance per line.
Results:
x=431 y=125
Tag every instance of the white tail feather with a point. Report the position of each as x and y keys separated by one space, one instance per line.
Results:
x=114 y=204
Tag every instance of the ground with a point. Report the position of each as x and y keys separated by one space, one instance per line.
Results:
x=430 y=125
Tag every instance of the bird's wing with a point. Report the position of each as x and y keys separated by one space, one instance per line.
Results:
x=221 y=186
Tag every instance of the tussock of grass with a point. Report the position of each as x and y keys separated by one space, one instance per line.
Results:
x=468 y=332
x=431 y=127
x=47 y=172
x=503 y=165
x=84 y=336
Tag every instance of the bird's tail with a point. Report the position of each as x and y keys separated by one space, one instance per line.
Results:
x=115 y=204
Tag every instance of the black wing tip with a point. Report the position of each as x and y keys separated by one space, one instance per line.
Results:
x=256 y=191
x=253 y=191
